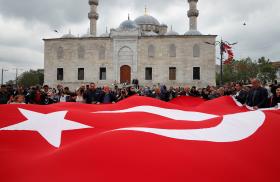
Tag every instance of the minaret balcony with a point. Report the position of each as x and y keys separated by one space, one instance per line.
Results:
x=192 y=1
x=93 y=15
x=193 y=12
x=93 y=2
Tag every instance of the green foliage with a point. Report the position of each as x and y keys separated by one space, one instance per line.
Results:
x=31 y=78
x=10 y=82
x=266 y=70
x=245 y=69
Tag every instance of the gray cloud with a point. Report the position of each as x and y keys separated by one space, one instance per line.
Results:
x=23 y=24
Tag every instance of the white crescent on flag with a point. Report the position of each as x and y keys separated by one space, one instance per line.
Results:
x=168 y=113
x=234 y=127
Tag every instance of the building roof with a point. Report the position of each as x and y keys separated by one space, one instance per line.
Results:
x=276 y=64
x=150 y=33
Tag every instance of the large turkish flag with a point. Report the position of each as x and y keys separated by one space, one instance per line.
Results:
x=140 y=139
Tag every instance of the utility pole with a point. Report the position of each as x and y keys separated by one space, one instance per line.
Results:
x=16 y=77
x=222 y=50
x=17 y=71
x=2 y=77
x=222 y=60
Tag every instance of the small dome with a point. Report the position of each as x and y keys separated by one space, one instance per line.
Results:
x=87 y=35
x=68 y=36
x=128 y=25
x=105 y=35
x=150 y=34
x=171 y=32
x=163 y=25
x=193 y=32
x=146 y=20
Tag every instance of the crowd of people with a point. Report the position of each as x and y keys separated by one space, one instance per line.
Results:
x=254 y=95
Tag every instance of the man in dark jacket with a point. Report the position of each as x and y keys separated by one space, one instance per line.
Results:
x=107 y=96
x=4 y=96
x=92 y=95
x=241 y=94
x=257 y=96
x=164 y=94
x=135 y=82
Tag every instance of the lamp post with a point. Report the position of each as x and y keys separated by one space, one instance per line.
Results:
x=17 y=70
x=2 y=78
x=222 y=50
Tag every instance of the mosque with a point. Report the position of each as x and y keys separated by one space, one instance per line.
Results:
x=140 y=49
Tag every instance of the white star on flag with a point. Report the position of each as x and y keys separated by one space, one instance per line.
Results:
x=50 y=126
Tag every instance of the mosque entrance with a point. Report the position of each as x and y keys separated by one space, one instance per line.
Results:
x=125 y=74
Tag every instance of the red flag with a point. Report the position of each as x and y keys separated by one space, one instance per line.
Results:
x=226 y=47
x=228 y=50
x=139 y=139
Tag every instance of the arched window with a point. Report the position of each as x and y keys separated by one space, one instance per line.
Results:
x=81 y=52
x=125 y=54
x=60 y=53
x=151 y=51
x=196 y=51
x=172 y=50
x=102 y=52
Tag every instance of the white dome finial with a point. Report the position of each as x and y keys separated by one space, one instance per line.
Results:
x=146 y=10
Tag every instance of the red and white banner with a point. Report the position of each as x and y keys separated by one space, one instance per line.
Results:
x=140 y=139
x=228 y=49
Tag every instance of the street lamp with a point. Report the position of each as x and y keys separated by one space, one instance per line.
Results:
x=17 y=70
x=2 y=78
x=222 y=50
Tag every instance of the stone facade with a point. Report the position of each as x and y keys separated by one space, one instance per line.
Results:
x=139 y=59
x=141 y=49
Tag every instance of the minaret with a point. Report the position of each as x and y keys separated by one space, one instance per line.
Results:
x=193 y=13
x=93 y=16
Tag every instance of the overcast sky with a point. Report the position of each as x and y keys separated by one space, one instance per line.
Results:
x=23 y=24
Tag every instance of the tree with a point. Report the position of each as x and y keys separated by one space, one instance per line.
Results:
x=10 y=82
x=267 y=72
x=245 y=69
x=31 y=78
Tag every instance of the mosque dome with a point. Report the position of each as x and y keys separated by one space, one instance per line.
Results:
x=68 y=36
x=128 y=25
x=146 y=20
x=172 y=32
x=193 y=32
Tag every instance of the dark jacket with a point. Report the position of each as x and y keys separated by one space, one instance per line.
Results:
x=107 y=98
x=275 y=101
x=242 y=97
x=4 y=97
x=257 y=97
x=164 y=94
x=92 y=96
